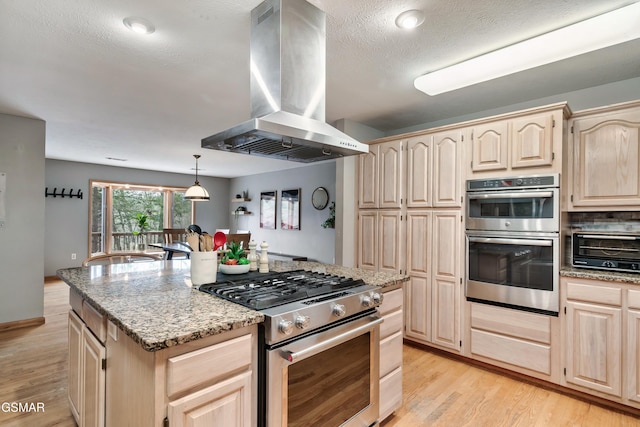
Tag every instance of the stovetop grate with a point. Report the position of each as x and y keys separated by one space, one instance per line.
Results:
x=266 y=291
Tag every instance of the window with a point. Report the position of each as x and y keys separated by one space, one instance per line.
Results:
x=128 y=217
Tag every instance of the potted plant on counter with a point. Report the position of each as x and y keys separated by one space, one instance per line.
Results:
x=235 y=260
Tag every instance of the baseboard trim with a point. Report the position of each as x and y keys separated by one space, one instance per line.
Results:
x=19 y=324
x=48 y=279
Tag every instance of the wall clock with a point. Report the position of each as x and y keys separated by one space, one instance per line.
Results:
x=320 y=198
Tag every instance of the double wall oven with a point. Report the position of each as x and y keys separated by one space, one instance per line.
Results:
x=319 y=355
x=512 y=240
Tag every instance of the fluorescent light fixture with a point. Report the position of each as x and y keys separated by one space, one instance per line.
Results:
x=410 y=19
x=138 y=25
x=609 y=29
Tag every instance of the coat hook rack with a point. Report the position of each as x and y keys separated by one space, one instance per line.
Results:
x=63 y=193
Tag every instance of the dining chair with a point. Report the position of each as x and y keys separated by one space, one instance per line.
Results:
x=171 y=235
x=120 y=258
x=242 y=238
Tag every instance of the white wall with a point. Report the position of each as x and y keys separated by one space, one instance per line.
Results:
x=311 y=240
x=67 y=220
x=22 y=142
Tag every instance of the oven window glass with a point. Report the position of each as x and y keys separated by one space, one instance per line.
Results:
x=520 y=265
x=331 y=387
x=602 y=247
x=531 y=207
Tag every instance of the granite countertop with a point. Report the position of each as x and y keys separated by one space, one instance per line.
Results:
x=602 y=275
x=155 y=304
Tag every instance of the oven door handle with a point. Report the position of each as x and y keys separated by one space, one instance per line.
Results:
x=512 y=195
x=510 y=241
x=292 y=356
x=606 y=237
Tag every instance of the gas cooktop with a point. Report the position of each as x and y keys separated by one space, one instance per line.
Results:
x=266 y=290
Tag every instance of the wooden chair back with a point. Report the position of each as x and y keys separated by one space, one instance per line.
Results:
x=120 y=258
x=243 y=239
x=172 y=235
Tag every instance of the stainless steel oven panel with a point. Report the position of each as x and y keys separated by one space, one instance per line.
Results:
x=514 y=223
x=504 y=293
x=280 y=359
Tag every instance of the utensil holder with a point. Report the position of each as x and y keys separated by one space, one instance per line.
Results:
x=204 y=267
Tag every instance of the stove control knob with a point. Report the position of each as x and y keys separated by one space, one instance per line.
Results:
x=302 y=322
x=367 y=301
x=338 y=310
x=377 y=298
x=285 y=326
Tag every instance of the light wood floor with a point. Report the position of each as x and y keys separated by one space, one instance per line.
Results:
x=438 y=391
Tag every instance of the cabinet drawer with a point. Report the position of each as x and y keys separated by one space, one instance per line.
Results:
x=392 y=301
x=392 y=324
x=516 y=323
x=634 y=299
x=594 y=293
x=390 y=393
x=75 y=301
x=525 y=354
x=96 y=321
x=390 y=353
x=186 y=371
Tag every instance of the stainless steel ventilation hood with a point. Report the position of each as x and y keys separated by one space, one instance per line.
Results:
x=288 y=52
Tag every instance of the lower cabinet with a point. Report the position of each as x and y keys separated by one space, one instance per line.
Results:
x=86 y=374
x=516 y=340
x=391 y=352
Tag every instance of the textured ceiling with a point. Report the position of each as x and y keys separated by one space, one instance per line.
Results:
x=107 y=92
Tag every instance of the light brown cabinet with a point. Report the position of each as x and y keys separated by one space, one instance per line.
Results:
x=391 y=352
x=632 y=361
x=87 y=354
x=381 y=176
x=605 y=153
x=525 y=142
x=433 y=294
x=433 y=170
x=379 y=246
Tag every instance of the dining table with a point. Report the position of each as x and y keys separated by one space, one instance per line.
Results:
x=171 y=248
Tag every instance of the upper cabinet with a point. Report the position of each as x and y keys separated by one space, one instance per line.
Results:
x=433 y=170
x=381 y=173
x=526 y=142
x=604 y=170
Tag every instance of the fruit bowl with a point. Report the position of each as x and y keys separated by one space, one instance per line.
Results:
x=234 y=269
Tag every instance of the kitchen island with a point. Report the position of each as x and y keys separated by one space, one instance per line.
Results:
x=145 y=345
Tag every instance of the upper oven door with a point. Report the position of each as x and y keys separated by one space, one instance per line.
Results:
x=329 y=378
x=514 y=210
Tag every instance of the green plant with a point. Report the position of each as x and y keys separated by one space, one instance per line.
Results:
x=331 y=221
x=143 y=223
x=235 y=254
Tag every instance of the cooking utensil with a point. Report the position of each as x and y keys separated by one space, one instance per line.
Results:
x=193 y=241
x=219 y=239
x=195 y=229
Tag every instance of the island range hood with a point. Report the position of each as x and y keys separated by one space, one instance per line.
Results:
x=288 y=57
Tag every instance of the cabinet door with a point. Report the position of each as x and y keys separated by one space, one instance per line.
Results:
x=593 y=346
x=419 y=171
x=418 y=289
x=389 y=241
x=633 y=355
x=390 y=174
x=447 y=190
x=368 y=178
x=75 y=364
x=489 y=144
x=368 y=240
x=532 y=141
x=606 y=161
x=93 y=381
x=227 y=403
x=446 y=278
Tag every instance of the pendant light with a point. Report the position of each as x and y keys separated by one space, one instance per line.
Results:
x=196 y=192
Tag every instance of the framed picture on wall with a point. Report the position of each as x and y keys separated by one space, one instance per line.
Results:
x=268 y=209
x=290 y=209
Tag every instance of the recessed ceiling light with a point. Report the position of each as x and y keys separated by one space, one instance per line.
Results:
x=139 y=25
x=410 y=19
x=116 y=159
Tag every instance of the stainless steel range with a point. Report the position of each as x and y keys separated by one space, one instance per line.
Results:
x=319 y=355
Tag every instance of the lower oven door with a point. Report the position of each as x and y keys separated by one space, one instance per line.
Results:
x=330 y=378
x=514 y=271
